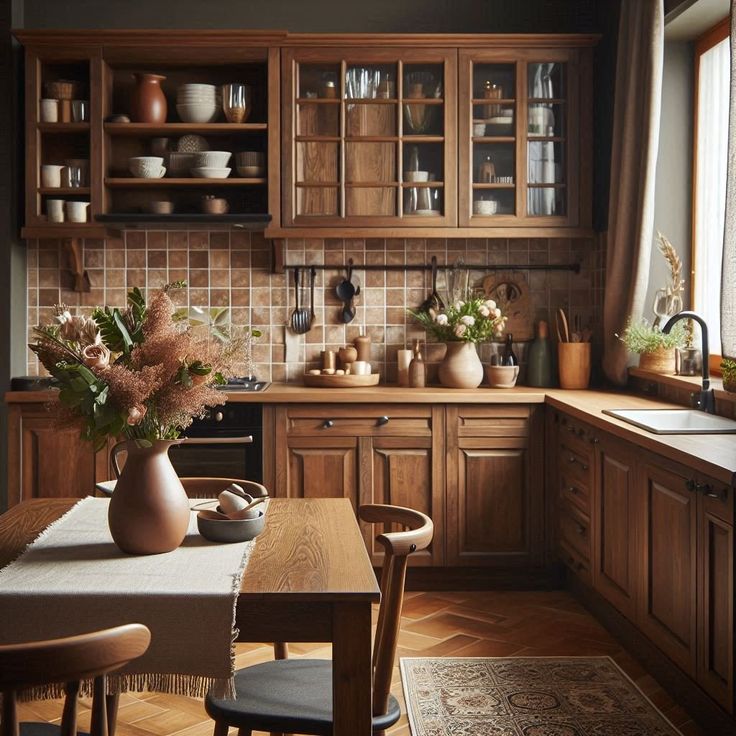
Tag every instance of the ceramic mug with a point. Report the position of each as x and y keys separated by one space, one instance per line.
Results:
x=360 y=368
x=77 y=211
x=49 y=111
x=485 y=207
x=51 y=176
x=55 y=210
x=502 y=376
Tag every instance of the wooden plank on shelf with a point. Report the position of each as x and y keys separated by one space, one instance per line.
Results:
x=63 y=127
x=122 y=129
x=132 y=183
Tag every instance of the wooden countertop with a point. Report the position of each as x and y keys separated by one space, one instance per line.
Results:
x=714 y=455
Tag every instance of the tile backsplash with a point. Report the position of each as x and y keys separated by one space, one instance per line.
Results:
x=233 y=269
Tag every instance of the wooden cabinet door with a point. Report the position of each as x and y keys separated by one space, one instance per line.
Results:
x=715 y=598
x=321 y=467
x=405 y=471
x=495 y=493
x=667 y=608
x=45 y=461
x=615 y=524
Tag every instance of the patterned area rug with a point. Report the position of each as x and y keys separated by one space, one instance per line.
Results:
x=526 y=696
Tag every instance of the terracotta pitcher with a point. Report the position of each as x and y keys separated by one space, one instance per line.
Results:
x=148 y=103
x=149 y=510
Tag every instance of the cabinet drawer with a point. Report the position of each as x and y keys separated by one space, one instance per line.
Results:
x=493 y=421
x=576 y=463
x=575 y=530
x=359 y=421
x=572 y=491
x=575 y=561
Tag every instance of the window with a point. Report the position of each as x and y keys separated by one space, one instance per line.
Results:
x=712 y=85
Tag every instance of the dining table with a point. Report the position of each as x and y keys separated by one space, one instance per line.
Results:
x=308 y=579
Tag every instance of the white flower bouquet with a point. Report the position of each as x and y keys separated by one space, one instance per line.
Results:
x=473 y=319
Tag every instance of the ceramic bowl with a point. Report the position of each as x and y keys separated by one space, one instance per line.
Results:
x=180 y=163
x=212 y=159
x=160 y=207
x=197 y=113
x=251 y=172
x=250 y=158
x=215 y=205
x=147 y=167
x=416 y=176
x=231 y=530
x=209 y=172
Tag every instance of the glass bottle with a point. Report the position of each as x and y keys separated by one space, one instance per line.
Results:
x=539 y=368
x=509 y=356
x=414 y=159
x=417 y=368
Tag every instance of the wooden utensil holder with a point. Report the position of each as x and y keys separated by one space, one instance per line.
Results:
x=574 y=364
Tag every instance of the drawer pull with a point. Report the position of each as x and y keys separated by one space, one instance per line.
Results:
x=691 y=485
x=580 y=529
x=573 y=490
x=573 y=459
x=328 y=423
x=707 y=490
x=381 y=421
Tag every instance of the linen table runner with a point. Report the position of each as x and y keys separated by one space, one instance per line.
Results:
x=73 y=579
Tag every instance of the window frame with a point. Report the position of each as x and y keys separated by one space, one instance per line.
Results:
x=715 y=35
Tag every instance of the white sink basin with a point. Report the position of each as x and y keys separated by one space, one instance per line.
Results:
x=675 y=421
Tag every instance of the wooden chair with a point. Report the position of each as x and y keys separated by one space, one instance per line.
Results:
x=295 y=695
x=200 y=487
x=69 y=661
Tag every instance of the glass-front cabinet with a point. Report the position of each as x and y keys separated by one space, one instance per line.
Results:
x=520 y=133
x=369 y=137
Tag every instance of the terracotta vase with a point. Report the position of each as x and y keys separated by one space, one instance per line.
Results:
x=658 y=361
x=461 y=367
x=148 y=103
x=149 y=509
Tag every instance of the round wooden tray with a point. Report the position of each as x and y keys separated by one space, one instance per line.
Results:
x=325 y=381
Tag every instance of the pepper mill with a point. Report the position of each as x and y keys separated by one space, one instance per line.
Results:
x=417 y=368
x=363 y=346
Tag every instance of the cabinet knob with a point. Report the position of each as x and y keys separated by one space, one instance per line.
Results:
x=328 y=423
x=573 y=490
x=580 y=529
x=707 y=490
x=573 y=459
x=594 y=440
x=219 y=416
x=691 y=485
x=381 y=421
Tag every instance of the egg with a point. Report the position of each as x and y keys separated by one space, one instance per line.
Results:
x=231 y=502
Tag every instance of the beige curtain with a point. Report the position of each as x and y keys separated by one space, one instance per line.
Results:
x=728 y=274
x=633 y=171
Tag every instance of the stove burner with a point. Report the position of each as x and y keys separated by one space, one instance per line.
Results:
x=246 y=383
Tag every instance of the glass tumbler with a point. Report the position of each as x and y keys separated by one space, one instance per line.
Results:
x=236 y=102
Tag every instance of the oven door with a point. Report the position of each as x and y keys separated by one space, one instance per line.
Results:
x=219 y=457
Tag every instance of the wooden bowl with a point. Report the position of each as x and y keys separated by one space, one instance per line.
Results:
x=349 y=381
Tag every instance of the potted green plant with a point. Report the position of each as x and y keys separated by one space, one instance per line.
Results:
x=656 y=349
x=728 y=366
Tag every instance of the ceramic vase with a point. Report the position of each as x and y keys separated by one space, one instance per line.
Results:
x=149 y=509
x=461 y=367
x=148 y=104
x=661 y=360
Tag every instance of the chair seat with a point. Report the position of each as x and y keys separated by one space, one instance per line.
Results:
x=287 y=695
x=31 y=728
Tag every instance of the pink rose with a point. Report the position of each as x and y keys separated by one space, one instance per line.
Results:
x=460 y=330
x=484 y=311
x=136 y=414
x=96 y=356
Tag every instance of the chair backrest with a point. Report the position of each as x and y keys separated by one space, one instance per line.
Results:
x=398 y=545
x=201 y=487
x=69 y=660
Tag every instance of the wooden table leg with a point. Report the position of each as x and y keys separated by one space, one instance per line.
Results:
x=351 y=669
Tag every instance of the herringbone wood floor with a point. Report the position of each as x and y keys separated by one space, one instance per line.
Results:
x=473 y=624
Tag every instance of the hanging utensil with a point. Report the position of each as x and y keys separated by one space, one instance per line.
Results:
x=312 y=277
x=346 y=293
x=563 y=331
x=300 y=322
x=433 y=301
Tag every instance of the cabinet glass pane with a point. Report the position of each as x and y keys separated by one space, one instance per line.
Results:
x=317 y=162
x=370 y=81
x=545 y=201
x=314 y=119
x=494 y=163
x=424 y=201
x=500 y=124
x=370 y=201
x=546 y=80
x=370 y=120
x=317 y=201
x=423 y=82
x=494 y=81
x=319 y=81
x=546 y=163
x=423 y=162
x=493 y=202
x=370 y=162
x=546 y=120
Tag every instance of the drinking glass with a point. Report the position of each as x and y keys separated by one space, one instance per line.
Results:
x=236 y=102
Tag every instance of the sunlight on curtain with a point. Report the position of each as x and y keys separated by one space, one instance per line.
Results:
x=710 y=195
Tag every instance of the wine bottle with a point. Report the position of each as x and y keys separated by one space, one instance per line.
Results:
x=509 y=356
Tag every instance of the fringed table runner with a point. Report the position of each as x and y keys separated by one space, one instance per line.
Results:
x=73 y=579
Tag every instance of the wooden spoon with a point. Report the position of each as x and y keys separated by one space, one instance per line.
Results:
x=214 y=515
x=565 y=328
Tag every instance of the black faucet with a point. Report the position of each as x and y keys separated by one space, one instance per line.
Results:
x=705 y=399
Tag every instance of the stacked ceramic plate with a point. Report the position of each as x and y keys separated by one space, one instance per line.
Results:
x=197 y=103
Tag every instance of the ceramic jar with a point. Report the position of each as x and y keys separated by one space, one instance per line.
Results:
x=461 y=367
x=148 y=104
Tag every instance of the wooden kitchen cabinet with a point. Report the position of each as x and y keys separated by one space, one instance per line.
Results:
x=46 y=461
x=495 y=489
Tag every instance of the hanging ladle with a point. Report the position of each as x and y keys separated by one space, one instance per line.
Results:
x=346 y=293
x=433 y=301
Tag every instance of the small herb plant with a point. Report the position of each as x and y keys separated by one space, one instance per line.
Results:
x=728 y=366
x=642 y=337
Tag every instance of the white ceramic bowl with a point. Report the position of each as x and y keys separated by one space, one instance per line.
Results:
x=146 y=167
x=212 y=159
x=417 y=176
x=197 y=113
x=210 y=172
x=251 y=172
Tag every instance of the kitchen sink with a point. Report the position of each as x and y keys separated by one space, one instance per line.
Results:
x=675 y=421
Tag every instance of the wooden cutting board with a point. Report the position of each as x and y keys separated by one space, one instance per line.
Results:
x=510 y=291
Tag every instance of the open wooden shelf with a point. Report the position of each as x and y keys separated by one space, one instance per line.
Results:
x=64 y=230
x=121 y=129
x=63 y=127
x=63 y=190
x=124 y=182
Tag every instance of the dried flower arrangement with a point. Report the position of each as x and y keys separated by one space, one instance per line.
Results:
x=139 y=373
x=677 y=283
x=472 y=319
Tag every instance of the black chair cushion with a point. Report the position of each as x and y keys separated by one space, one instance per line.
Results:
x=286 y=695
x=31 y=728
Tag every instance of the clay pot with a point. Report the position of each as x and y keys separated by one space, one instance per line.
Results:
x=148 y=103
x=149 y=510
x=461 y=367
x=658 y=361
